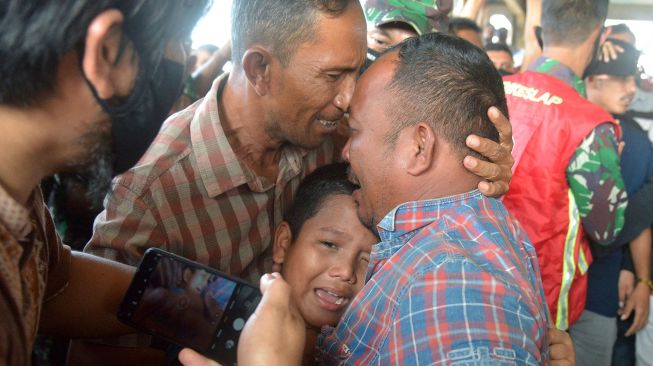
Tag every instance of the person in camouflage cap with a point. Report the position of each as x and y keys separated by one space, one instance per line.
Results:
x=392 y=21
x=423 y=16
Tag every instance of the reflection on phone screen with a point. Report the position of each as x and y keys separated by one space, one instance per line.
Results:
x=183 y=303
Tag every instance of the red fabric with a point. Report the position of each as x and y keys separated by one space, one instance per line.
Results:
x=550 y=120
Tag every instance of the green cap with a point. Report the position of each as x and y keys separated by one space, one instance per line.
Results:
x=424 y=16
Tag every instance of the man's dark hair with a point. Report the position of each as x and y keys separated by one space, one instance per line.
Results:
x=282 y=25
x=34 y=36
x=570 y=22
x=498 y=47
x=447 y=82
x=314 y=190
x=458 y=24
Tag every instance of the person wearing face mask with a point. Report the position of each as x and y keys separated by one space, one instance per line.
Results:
x=391 y=22
x=568 y=188
x=501 y=56
x=76 y=197
x=76 y=75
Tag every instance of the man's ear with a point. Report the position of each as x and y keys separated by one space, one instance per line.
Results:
x=282 y=241
x=101 y=51
x=256 y=65
x=423 y=145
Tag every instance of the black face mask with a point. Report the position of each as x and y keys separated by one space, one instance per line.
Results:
x=136 y=121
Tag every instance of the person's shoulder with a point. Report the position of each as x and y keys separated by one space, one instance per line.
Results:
x=166 y=155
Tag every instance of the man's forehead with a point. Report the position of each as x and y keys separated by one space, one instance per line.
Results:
x=373 y=84
x=340 y=37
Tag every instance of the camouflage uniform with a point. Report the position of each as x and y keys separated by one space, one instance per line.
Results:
x=424 y=16
x=593 y=172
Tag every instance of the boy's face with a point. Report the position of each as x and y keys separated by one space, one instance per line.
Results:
x=326 y=263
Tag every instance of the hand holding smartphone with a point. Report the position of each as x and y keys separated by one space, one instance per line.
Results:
x=189 y=304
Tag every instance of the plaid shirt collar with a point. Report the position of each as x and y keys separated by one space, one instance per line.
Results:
x=411 y=216
x=14 y=216
x=219 y=167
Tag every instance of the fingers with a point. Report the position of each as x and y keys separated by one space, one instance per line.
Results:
x=275 y=290
x=485 y=169
x=640 y=301
x=503 y=126
x=638 y=323
x=609 y=52
x=276 y=295
x=630 y=304
x=488 y=148
x=561 y=347
x=559 y=355
x=493 y=189
x=498 y=176
x=498 y=170
x=557 y=336
x=188 y=357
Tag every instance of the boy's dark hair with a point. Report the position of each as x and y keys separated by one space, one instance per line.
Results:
x=570 y=22
x=314 y=190
x=458 y=24
x=622 y=28
x=281 y=24
x=447 y=82
x=498 y=47
x=34 y=35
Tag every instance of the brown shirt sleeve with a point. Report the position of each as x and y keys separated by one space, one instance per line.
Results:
x=56 y=254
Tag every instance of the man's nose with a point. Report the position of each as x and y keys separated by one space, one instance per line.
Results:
x=345 y=150
x=343 y=99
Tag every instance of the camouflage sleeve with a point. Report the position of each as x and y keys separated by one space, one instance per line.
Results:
x=594 y=176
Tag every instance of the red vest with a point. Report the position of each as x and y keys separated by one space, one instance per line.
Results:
x=550 y=120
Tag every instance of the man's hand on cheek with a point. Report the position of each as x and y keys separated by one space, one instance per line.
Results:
x=497 y=172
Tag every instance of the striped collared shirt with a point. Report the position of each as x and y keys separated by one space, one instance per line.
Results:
x=190 y=195
x=453 y=281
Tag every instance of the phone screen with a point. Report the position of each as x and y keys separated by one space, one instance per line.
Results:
x=188 y=304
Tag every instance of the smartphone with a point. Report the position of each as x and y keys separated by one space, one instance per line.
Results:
x=188 y=304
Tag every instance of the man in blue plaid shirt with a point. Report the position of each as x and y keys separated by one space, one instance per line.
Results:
x=454 y=278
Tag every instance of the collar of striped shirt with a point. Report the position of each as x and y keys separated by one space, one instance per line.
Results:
x=219 y=166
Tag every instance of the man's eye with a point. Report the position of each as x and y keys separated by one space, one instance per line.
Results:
x=380 y=42
x=328 y=244
x=334 y=76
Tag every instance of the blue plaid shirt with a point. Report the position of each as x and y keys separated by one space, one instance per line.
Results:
x=453 y=281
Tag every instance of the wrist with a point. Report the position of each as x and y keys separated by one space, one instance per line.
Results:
x=647 y=282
